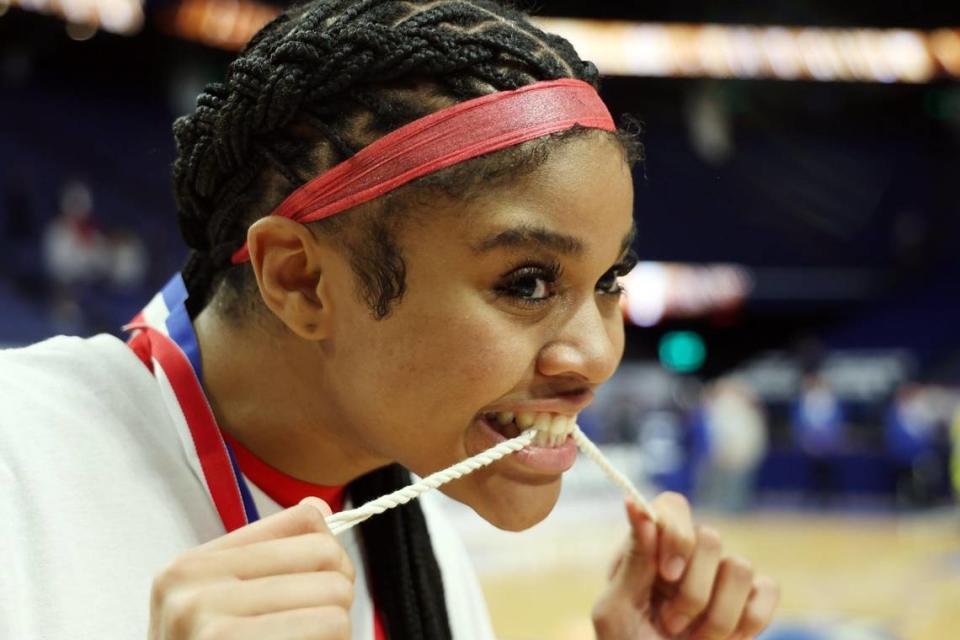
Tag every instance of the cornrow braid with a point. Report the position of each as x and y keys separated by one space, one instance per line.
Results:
x=319 y=82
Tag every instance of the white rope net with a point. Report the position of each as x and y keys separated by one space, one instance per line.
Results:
x=340 y=522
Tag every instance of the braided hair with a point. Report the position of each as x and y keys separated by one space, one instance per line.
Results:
x=315 y=85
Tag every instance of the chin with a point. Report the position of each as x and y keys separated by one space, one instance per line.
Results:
x=506 y=502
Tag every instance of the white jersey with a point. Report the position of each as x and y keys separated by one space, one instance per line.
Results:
x=100 y=488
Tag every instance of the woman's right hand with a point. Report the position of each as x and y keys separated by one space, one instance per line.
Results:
x=280 y=578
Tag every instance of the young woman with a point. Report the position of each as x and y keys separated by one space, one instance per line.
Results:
x=451 y=281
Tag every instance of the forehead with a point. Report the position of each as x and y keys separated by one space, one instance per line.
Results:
x=579 y=201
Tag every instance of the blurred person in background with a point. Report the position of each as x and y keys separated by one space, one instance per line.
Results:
x=298 y=356
x=622 y=419
x=818 y=429
x=910 y=434
x=75 y=249
x=734 y=428
x=94 y=271
x=76 y=257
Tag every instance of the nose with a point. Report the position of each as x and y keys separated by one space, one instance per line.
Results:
x=588 y=346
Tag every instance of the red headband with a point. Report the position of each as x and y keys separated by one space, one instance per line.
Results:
x=442 y=139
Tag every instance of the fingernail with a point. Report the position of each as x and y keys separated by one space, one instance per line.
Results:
x=674 y=568
x=319 y=505
x=677 y=623
x=647 y=533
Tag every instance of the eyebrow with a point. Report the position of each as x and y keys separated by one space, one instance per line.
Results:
x=528 y=236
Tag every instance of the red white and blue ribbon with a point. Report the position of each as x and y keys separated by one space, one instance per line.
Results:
x=163 y=337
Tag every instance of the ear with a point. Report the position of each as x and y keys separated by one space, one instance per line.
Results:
x=287 y=261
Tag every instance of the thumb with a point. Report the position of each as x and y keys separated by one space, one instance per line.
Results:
x=318 y=504
x=307 y=517
x=637 y=570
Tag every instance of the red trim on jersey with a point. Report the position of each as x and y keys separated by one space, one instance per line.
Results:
x=283 y=489
x=379 y=630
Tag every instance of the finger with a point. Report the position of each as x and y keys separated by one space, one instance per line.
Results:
x=320 y=504
x=758 y=613
x=307 y=517
x=677 y=539
x=272 y=594
x=315 y=623
x=618 y=560
x=693 y=593
x=298 y=554
x=637 y=568
x=730 y=593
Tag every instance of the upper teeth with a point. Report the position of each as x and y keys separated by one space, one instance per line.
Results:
x=552 y=429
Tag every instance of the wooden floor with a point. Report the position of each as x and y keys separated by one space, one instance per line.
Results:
x=885 y=576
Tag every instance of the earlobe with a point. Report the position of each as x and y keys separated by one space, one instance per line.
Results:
x=287 y=263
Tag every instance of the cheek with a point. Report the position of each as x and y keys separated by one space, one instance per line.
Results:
x=456 y=365
x=488 y=361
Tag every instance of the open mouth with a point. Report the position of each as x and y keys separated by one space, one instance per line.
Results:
x=552 y=428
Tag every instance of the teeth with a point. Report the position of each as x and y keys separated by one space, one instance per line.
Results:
x=542 y=424
x=559 y=428
x=551 y=429
x=541 y=421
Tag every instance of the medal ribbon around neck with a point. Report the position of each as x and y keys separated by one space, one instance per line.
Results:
x=442 y=139
x=163 y=338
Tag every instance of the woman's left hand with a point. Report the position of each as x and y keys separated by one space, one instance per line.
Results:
x=673 y=581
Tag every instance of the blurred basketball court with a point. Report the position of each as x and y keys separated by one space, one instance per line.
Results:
x=843 y=575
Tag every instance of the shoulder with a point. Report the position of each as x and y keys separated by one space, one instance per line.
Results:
x=48 y=388
x=96 y=494
x=62 y=358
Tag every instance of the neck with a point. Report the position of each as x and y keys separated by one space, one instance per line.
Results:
x=264 y=396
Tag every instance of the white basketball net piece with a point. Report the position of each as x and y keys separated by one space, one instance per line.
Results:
x=340 y=522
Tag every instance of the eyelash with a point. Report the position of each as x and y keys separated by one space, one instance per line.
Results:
x=512 y=284
x=550 y=273
x=620 y=269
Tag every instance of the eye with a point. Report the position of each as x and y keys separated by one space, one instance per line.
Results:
x=530 y=284
x=609 y=284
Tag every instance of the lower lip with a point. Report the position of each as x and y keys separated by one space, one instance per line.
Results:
x=548 y=460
